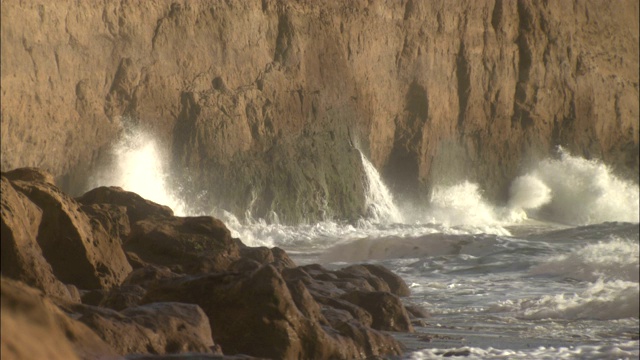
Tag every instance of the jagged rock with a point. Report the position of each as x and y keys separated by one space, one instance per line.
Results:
x=22 y=257
x=34 y=328
x=192 y=357
x=396 y=284
x=122 y=297
x=255 y=313
x=113 y=218
x=158 y=328
x=137 y=207
x=386 y=309
x=189 y=244
x=149 y=276
x=253 y=257
x=78 y=248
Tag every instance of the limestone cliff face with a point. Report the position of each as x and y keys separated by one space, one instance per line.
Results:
x=269 y=100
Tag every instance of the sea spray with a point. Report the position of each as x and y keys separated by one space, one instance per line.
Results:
x=138 y=166
x=379 y=201
x=576 y=191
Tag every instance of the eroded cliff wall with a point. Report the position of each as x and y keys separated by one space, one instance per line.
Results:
x=264 y=103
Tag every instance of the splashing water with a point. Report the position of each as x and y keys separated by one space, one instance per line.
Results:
x=139 y=167
x=576 y=191
x=617 y=259
x=378 y=199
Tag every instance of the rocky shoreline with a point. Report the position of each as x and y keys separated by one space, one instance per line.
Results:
x=110 y=275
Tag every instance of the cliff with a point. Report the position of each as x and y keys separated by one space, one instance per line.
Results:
x=263 y=104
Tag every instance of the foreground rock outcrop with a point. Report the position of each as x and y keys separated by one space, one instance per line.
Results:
x=265 y=99
x=126 y=278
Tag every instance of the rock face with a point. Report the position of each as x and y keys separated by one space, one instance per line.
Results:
x=66 y=232
x=431 y=92
x=22 y=257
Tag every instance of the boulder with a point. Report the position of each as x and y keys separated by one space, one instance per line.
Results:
x=387 y=311
x=189 y=244
x=158 y=328
x=253 y=257
x=78 y=248
x=22 y=257
x=137 y=207
x=255 y=313
x=34 y=328
x=394 y=282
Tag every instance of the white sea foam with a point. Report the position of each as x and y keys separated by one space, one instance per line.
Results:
x=139 y=167
x=460 y=204
x=577 y=191
x=602 y=300
x=528 y=192
x=623 y=350
x=616 y=259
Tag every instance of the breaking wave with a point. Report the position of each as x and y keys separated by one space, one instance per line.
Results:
x=138 y=166
x=576 y=191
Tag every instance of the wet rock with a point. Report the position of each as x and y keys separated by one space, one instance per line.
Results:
x=252 y=256
x=34 y=328
x=256 y=313
x=158 y=328
x=386 y=309
x=22 y=257
x=137 y=207
x=190 y=244
x=78 y=248
x=394 y=282
x=416 y=311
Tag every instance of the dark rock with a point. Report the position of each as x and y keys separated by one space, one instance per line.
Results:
x=93 y=297
x=158 y=328
x=78 y=248
x=356 y=312
x=189 y=244
x=395 y=282
x=416 y=311
x=137 y=207
x=34 y=328
x=256 y=314
x=122 y=297
x=360 y=278
x=149 y=276
x=386 y=309
x=253 y=257
x=22 y=257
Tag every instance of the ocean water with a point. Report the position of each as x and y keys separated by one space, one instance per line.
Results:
x=554 y=274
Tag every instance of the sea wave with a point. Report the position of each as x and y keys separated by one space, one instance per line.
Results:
x=602 y=300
